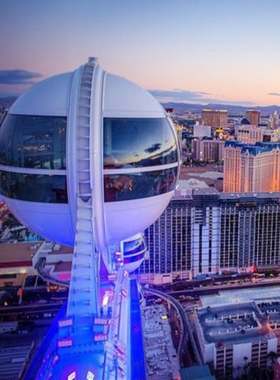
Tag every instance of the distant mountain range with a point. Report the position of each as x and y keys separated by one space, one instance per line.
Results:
x=7 y=101
x=233 y=109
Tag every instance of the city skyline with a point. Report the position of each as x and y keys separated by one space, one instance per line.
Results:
x=115 y=191
x=195 y=52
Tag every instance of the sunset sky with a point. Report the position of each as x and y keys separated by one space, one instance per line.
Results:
x=199 y=51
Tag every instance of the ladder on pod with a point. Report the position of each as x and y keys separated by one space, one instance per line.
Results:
x=84 y=286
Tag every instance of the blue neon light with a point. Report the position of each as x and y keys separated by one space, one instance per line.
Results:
x=138 y=368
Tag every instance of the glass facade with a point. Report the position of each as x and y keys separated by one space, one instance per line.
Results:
x=34 y=187
x=124 y=187
x=130 y=143
x=37 y=142
x=169 y=240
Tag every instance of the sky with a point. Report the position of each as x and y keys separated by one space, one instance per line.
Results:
x=195 y=51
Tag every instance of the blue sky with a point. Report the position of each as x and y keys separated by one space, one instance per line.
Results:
x=188 y=50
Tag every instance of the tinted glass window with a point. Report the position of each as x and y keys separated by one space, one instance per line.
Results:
x=33 y=142
x=138 y=143
x=124 y=187
x=33 y=187
x=133 y=259
x=131 y=248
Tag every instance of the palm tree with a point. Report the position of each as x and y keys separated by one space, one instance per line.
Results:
x=272 y=357
x=238 y=370
x=245 y=367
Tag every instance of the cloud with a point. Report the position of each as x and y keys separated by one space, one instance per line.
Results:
x=153 y=148
x=16 y=77
x=185 y=96
x=274 y=93
x=180 y=95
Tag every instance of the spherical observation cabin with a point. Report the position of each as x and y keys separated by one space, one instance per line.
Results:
x=87 y=121
x=134 y=251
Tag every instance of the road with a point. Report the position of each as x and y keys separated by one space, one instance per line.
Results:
x=31 y=312
x=199 y=291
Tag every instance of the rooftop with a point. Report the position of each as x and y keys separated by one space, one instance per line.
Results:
x=207 y=191
x=216 y=111
x=18 y=252
x=62 y=267
x=13 y=358
x=60 y=249
x=225 y=297
x=201 y=372
x=258 y=148
x=236 y=323
x=250 y=196
x=209 y=174
x=245 y=121
x=161 y=357
x=186 y=187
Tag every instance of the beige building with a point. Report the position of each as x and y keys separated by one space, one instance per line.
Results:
x=51 y=261
x=270 y=135
x=250 y=134
x=273 y=121
x=16 y=262
x=253 y=116
x=251 y=168
x=215 y=118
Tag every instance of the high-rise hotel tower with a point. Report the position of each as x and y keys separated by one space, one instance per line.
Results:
x=251 y=167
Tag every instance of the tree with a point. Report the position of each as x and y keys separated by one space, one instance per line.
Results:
x=238 y=371
x=272 y=357
x=246 y=366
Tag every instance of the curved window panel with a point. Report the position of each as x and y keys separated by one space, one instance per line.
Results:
x=33 y=187
x=33 y=141
x=133 y=259
x=134 y=247
x=132 y=143
x=124 y=187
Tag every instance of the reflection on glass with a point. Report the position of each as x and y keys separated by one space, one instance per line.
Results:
x=133 y=259
x=33 y=141
x=124 y=187
x=138 y=143
x=33 y=187
x=135 y=246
